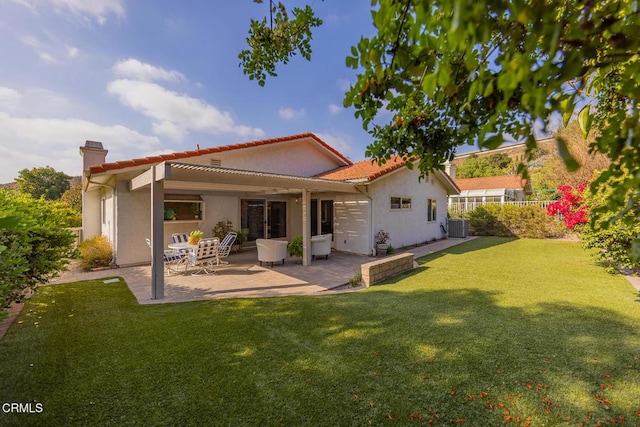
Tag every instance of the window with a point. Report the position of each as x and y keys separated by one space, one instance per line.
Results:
x=400 y=203
x=431 y=210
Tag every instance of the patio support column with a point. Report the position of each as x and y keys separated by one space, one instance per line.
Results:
x=157 y=236
x=306 y=228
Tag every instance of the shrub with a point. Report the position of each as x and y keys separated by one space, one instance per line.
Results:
x=95 y=252
x=512 y=220
x=221 y=229
x=613 y=235
x=570 y=206
x=295 y=247
x=355 y=280
x=34 y=249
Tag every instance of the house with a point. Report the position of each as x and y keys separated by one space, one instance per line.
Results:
x=275 y=188
x=490 y=189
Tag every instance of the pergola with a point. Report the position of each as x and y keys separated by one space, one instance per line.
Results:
x=170 y=175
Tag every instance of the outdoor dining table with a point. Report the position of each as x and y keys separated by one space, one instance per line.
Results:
x=184 y=246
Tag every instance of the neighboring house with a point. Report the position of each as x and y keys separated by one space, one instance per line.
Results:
x=277 y=188
x=490 y=189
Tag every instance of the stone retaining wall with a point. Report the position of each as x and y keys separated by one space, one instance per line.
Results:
x=376 y=271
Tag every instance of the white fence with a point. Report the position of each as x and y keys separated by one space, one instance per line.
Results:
x=462 y=207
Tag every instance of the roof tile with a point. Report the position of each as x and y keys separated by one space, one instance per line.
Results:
x=365 y=169
x=487 y=182
x=193 y=153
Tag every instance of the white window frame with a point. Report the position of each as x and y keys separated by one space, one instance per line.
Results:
x=403 y=200
x=432 y=210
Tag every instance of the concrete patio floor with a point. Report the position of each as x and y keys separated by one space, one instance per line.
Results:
x=244 y=278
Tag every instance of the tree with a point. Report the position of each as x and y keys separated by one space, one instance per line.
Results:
x=552 y=174
x=43 y=182
x=73 y=199
x=476 y=166
x=278 y=41
x=456 y=72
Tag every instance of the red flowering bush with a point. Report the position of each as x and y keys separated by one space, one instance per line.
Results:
x=570 y=206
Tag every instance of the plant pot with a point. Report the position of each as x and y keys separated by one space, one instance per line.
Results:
x=194 y=240
x=381 y=249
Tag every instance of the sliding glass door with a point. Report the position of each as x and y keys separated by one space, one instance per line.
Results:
x=252 y=218
x=325 y=225
x=263 y=219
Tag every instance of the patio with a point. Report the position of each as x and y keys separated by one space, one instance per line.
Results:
x=244 y=278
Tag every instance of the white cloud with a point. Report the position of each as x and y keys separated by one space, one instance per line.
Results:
x=9 y=98
x=72 y=51
x=98 y=10
x=33 y=142
x=335 y=109
x=39 y=47
x=289 y=113
x=45 y=57
x=338 y=140
x=31 y=41
x=176 y=114
x=134 y=69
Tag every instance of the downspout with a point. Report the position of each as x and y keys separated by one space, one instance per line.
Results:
x=366 y=194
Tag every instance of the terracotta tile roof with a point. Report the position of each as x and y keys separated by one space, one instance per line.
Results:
x=487 y=182
x=106 y=167
x=365 y=169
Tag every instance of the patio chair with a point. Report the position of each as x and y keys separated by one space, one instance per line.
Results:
x=171 y=259
x=321 y=246
x=204 y=256
x=180 y=238
x=224 y=248
x=271 y=250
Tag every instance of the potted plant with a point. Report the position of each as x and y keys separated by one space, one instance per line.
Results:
x=195 y=209
x=195 y=236
x=381 y=242
x=295 y=247
x=241 y=237
x=221 y=229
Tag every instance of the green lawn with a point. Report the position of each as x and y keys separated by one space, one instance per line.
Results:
x=489 y=332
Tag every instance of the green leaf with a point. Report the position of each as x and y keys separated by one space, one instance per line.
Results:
x=429 y=83
x=571 y=163
x=566 y=108
x=352 y=62
x=584 y=120
x=9 y=221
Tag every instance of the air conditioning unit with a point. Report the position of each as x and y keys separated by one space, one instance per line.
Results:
x=458 y=228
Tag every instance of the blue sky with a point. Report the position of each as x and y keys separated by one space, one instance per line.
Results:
x=146 y=77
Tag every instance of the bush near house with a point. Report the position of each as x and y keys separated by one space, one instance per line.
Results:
x=512 y=220
x=36 y=248
x=95 y=253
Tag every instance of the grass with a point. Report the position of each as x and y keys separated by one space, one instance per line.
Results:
x=490 y=332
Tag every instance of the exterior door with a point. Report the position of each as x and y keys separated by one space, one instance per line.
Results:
x=325 y=225
x=263 y=219
x=252 y=218
x=276 y=219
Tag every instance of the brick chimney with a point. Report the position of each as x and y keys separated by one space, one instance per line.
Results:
x=92 y=154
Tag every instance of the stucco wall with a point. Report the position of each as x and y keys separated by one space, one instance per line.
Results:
x=408 y=227
x=91 y=214
x=134 y=225
x=302 y=158
x=107 y=218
